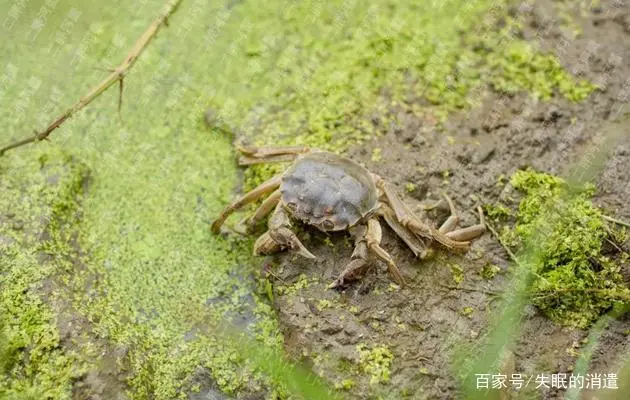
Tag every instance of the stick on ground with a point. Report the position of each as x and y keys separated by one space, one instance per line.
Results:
x=117 y=75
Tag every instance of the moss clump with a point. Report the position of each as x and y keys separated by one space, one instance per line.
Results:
x=377 y=154
x=575 y=280
x=345 y=384
x=467 y=311
x=489 y=271
x=497 y=211
x=375 y=362
x=457 y=273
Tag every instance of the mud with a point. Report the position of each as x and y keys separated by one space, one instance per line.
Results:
x=448 y=299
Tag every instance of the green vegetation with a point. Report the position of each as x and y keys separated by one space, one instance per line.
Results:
x=489 y=271
x=576 y=282
x=35 y=248
x=576 y=279
x=457 y=273
x=376 y=362
x=467 y=311
x=345 y=384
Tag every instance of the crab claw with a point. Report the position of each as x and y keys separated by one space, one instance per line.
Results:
x=289 y=239
x=297 y=247
x=285 y=238
x=303 y=251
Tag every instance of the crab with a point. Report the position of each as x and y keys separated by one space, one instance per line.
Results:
x=335 y=193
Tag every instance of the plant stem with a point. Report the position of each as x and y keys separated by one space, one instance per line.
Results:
x=117 y=75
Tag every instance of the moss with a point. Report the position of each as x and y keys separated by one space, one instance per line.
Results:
x=489 y=271
x=467 y=311
x=497 y=211
x=577 y=281
x=518 y=66
x=410 y=187
x=324 y=304
x=457 y=273
x=376 y=362
x=392 y=287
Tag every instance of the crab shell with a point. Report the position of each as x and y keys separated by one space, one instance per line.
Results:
x=328 y=191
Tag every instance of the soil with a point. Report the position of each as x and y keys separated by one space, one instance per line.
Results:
x=421 y=323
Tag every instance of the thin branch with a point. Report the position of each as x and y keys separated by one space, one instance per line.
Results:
x=616 y=221
x=467 y=289
x=621 y=296
x=117 y=75
x=498 y=237
x=120 y=96
x=508 y=251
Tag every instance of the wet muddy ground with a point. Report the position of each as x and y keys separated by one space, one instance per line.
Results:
x=449 y=299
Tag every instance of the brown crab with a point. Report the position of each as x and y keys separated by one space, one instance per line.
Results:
x=334 y=193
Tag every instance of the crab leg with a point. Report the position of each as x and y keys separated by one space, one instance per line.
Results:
x=280 y=232
x=415 y=243
x=374 y=236
x=452 y=220
x=260 y=191
x=358 y=262
x=408 y=219
x=470 y=232
x=463 y=234
x=265 y=208
x=258 y=155
x=368 y=240
x=266 y=245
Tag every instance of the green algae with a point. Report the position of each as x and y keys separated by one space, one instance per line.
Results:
x=40 y=206
x=577 y=281
x=153 y=278
x=376 y=362
x=342 y=82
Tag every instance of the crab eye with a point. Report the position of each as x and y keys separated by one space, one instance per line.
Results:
x=292 y=206
x=328 y=225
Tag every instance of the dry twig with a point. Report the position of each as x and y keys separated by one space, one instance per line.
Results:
x=498 y=237
x=616 y=221
x=117 y=75
x=468 y=289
